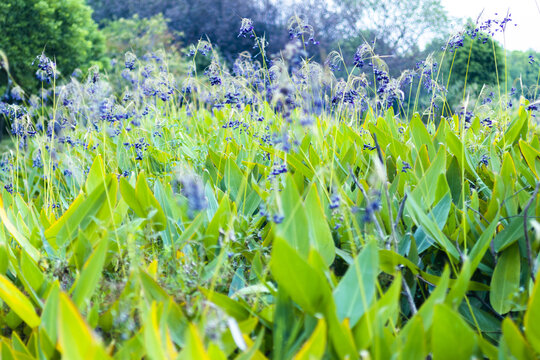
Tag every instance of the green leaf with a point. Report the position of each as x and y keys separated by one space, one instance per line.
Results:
x=505 y=280
x=96 y=175
x=76 y=339
x=304 y=284
x=509 y=235
x=451 y=337
x=221 y=220
x=194 y=348
x=415 y=346
x=18 y=302
x=514 y=129
x=19 y=238
x=514 y=341
x=482 y=244
x=148 y=202
x=319 y=232
x=315 y=346
x=49 y=317
x=532 y=157
x=420 y=135
x=437 y=296
x=356 y=290
x=439 y=214
x=430 y=227
x=532 y=317
x=293 y=228
x=424 y=189
x=85 y=285
x=231 y=307
x=85 y=213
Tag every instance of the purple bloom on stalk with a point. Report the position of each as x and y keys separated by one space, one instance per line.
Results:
x=193 y=190
x=46 y=68
x=246 y=28
x=9 y=188
x=371 y=208
x=130 y=59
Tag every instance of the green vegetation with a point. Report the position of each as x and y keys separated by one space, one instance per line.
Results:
x=62 y=29
x=270 y=209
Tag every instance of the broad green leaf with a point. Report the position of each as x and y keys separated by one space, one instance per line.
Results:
x=85 y=213
x=509 y=235
x=386 y=309
x=306 y=286
x=424 y=189
x=414 y=344
x=85 y=285
x=130 y=197
x=482 y=244
x=75 y=338
x=505 y=280
x=194 y=348
x=49 y=317
x=148 y=202
x=514 y=129
x=459 y=288
x=439 y=214
x=420 y=135
x=437 y=296
x=314 y=348
x=356 y=290
x=514 y=341
x=319 y=232
x=532 y=157
x=295 y=222
x=221 y=220
x=31 y=272
x=532 y=317
x=158 y=343
x=389 y=260
x=19 y=238
x=96 y=175
x=18 y=302
x=430 y=227
x=451 y=337
x=231 y=307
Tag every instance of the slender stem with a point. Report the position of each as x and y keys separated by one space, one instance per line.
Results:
x=408 y=295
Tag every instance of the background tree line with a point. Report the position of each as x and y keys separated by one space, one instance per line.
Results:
x=67 y=30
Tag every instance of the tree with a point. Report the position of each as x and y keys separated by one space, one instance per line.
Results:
x=397 y=28
x=402 y=24
x=61 y=29
x=524 y=69
x=478 y=62
x=217 y=20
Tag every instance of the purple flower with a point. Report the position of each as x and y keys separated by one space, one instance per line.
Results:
x=246 y=28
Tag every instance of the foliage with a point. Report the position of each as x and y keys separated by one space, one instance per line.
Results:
x=144 y=37
x=268 y=212
x=524 y=71
x=62 y=29
x=212 y=20
x=137 y=35
x=478 y=62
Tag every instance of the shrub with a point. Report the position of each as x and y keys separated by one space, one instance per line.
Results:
x=62 y=29
x=143 y=36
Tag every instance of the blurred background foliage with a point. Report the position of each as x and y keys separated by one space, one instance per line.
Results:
x=402 y=33
x=63 y=29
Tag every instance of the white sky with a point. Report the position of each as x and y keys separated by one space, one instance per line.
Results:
x=525 y=14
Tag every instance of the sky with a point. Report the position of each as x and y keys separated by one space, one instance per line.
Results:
x=523 y=33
